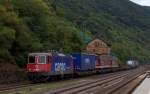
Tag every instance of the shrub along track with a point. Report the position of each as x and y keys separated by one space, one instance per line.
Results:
x=97 y=82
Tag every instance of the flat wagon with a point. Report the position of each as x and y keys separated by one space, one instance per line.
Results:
x=106 y=63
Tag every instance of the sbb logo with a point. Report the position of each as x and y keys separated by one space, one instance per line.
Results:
x=87 y=60
x=60 y=66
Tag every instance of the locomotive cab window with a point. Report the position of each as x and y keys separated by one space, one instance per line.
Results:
x=42 y=59
x=31 y=59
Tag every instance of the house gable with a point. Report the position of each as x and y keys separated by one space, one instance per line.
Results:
x=97 y=46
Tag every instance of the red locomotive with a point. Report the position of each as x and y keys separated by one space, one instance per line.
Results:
x=42 y=66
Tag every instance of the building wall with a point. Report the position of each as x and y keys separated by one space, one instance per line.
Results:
x=98 y=47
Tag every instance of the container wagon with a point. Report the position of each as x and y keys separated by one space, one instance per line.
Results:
x=84 y=63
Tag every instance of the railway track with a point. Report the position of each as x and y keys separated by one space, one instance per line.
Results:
x=14 y=86
x=115 y=87
x=97 y=86
x=128 y=84
x=82 y=87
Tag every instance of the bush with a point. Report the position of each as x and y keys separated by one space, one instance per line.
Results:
x=10 y=73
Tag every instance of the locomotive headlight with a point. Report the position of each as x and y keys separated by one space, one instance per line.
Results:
x=29 y=69
x=37 y=68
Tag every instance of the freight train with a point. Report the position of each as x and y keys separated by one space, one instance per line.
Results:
x=44 y=66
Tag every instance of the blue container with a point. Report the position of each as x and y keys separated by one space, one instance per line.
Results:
x=61 y=64
x=84 y=62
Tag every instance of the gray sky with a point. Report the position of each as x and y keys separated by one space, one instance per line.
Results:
x=142 y=2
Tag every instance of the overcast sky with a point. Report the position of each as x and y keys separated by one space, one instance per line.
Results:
x=142 y=2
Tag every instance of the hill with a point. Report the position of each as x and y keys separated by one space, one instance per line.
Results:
x=31 y=25
x=67 y=25
x=121 y=23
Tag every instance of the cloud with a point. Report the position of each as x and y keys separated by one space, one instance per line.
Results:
x=142 y=2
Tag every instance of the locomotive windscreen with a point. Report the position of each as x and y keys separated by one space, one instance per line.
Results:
x=42 y=59
x=31 y=59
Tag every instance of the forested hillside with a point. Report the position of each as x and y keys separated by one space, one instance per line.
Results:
x=121 y=23
x=67 y=25
x=31 y=25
